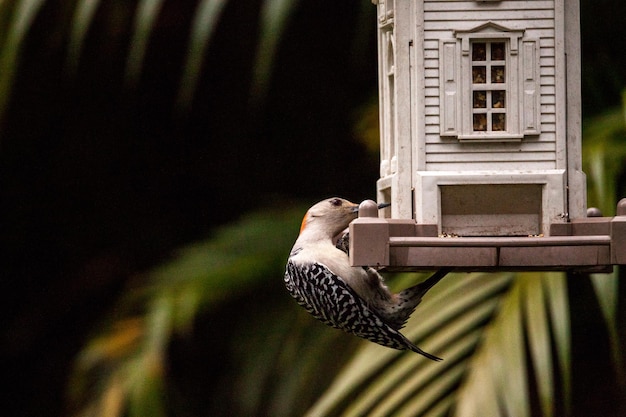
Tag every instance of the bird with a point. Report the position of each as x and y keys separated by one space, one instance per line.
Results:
x=355 y=299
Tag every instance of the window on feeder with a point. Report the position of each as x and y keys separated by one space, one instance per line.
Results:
x=489 y=85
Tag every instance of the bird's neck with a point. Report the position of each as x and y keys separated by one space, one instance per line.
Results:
x=315 y=236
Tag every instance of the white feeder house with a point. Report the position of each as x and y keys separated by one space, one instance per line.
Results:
x=480 y=116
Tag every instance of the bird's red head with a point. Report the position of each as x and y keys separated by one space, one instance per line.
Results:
x=332 y=213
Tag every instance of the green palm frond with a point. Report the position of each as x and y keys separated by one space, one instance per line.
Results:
x=145 y=19
x=604 y=156
x=123 y=369
x=84 y=13
x=604 y=161
x=203 y=26
x=484 y=326
x=274 y=17
x=18 y=17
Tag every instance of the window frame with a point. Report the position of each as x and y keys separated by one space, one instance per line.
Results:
x=489 y=87
x=522 y=91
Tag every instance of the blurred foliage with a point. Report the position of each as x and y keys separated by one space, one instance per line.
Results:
x=604 y=154
x=274 y=359
x=486 y=327
x=604 y=147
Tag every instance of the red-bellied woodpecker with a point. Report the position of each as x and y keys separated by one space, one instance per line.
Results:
x=354 y=299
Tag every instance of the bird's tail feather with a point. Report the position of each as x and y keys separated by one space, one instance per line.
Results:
x=410 y=298
x=419 y=290
x=421 y=352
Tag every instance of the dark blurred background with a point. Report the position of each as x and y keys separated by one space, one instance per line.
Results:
x=102 y=177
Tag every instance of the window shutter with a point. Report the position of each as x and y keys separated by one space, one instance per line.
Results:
x=531 y=108
x=450 y=102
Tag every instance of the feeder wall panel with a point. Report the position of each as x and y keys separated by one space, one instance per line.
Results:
x=536 y=19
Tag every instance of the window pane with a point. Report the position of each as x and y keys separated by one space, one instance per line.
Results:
x=497 y=74
x=489 y=84
x=498 y=99
x=498 y=122
x=497 y=51
x=479 y=75
x=479 y=51
x=480 y=122
x=480 y=100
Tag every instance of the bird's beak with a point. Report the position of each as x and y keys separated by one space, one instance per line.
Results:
x=355 y=209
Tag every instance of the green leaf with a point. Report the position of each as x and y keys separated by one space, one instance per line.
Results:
x=203 y=26
x=83 y=16
x=22 y=15
x=539 y=340
x=447 y=323
x=145 y=20
x=479 y=324
x=606 y=287
x=129 y=356
x=274 y=18
x=558 y=304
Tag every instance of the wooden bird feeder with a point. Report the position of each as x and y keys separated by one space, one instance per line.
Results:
x=480 y=116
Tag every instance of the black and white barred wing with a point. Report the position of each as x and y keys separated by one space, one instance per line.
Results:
x=329 y=299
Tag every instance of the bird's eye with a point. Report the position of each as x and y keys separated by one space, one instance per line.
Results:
x=336 y=202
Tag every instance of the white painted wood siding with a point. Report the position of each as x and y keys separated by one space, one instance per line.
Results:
x=536 y=18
